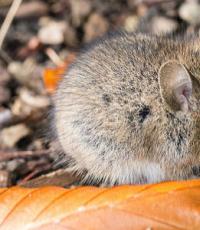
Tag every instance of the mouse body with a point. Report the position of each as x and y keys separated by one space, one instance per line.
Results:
x=128 y=110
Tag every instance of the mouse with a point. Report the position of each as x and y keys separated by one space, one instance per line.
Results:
x=127 y=111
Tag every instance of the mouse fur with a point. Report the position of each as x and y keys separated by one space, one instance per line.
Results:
x=128 y=109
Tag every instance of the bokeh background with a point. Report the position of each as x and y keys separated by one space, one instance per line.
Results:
x=47 y=34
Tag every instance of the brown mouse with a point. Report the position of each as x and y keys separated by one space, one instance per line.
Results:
x=128 y=110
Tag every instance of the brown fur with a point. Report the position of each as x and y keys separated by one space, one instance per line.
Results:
x=111 y=117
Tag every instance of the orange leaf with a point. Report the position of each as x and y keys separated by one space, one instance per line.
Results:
x=169 y=205
x=52 y=76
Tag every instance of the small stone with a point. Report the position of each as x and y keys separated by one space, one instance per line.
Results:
x=19 y=108
x=4 y=76
x=36 y=145
x=4 y=178
x=4 y=91
x=29 y=103
x=142 y=10
x=14 y=67
x=4 y=95
x=15 y=164
x=70 y=36
x=33 y=100
x=131 y=23
x=33 y=43
x=32 y=9
x=131 y=4
x=44 y=21
x=5 y=3
x=190 y=12
x=96 y=26
x=5 y=116
x=163 y=25
x=52 y=33
x=27 y=73
x=80 y=9
x=10 y=136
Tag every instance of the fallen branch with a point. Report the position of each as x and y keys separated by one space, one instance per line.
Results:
x=8 y=20
x=6 y=156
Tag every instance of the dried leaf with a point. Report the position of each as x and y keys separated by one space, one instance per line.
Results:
x=11 y=135
x=51 y=76
x=169 y=205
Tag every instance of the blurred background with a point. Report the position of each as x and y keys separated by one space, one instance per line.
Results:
x=38 y=35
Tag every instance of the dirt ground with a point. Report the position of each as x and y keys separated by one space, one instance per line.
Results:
x=46 y=34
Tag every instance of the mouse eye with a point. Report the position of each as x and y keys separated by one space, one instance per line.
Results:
x=143 y=113
x=196 y=170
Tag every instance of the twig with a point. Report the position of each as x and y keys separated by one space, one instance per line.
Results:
x=35 y=172
x=6 y=156
x=8 y=20
x=54 y=57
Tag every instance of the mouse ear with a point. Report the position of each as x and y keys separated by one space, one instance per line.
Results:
x=175 y=85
